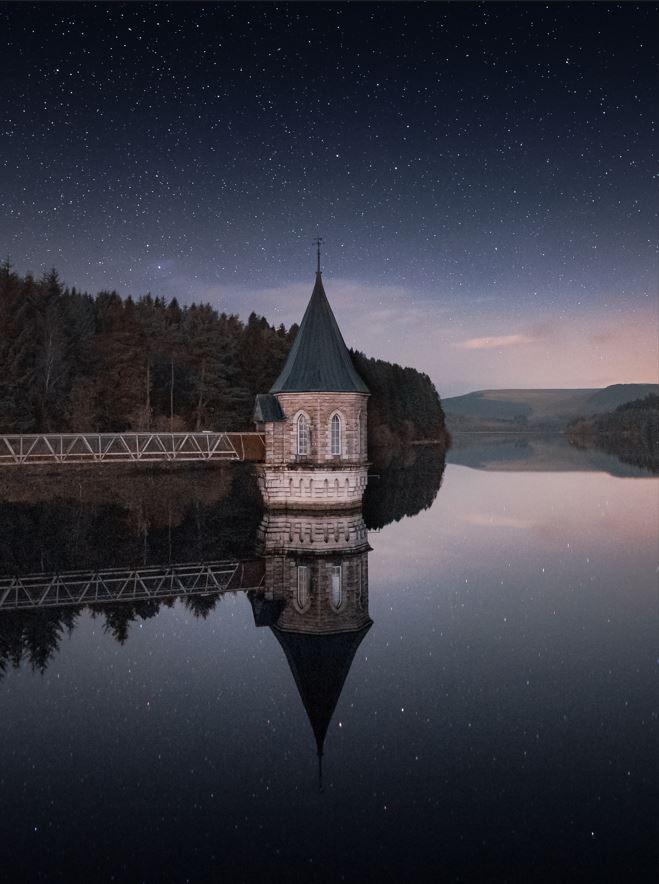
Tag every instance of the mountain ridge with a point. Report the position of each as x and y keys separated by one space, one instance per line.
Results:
x=541 y=408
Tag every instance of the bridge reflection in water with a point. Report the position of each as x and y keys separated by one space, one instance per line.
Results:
x=308 y=583
x=79 y=588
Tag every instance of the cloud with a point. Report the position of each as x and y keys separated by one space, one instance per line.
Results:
x=494 y=342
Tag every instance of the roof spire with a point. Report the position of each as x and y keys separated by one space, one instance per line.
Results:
x=318 y=240
x=319 y=359
x=320 y=772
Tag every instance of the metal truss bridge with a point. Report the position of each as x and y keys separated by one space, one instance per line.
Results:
x=84 y=448
x=79 y=588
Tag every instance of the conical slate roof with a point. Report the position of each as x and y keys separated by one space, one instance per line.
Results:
x=320 y=666
x=319 y=361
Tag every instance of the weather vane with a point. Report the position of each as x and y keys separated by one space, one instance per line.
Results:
x=318 y=240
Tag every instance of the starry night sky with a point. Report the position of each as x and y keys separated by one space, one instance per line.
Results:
x=483 y=175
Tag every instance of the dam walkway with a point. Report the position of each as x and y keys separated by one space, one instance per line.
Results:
x=103 y=448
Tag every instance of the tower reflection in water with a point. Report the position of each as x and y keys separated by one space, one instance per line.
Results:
x=315 y=601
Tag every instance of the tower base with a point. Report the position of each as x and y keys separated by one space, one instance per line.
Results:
x=283 y=487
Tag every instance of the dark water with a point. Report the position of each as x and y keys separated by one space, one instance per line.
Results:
x=490 y=686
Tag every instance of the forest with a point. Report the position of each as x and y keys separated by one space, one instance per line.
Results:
x=631 y=432
x=70 y=361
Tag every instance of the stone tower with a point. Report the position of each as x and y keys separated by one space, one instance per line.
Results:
x=314 y=419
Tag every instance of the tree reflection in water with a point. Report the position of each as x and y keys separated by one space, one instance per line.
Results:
x=175 y=516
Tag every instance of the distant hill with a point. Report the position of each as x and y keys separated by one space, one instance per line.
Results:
x=536 y=409
x=619 y=394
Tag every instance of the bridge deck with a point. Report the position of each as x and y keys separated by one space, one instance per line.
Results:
x=76 y=588
x=81 y=448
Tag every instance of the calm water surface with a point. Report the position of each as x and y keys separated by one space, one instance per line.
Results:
x=496 y=721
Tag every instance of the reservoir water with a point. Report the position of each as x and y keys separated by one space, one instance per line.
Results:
x=486 y=707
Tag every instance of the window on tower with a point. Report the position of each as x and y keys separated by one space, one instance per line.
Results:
x=303 y=435
x=336 y=589
x=303 y=582
x=335 y=435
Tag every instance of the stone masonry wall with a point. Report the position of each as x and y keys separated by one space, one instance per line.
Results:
x=316 y=612
x=312 y=486
x=308 y=532
x=281 y=437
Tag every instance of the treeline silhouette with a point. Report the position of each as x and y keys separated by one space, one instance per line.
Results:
x=404 y=486
x=631 y=432
x=72 y=361
x=404 y=404
x=34 y=636
x=135 y=519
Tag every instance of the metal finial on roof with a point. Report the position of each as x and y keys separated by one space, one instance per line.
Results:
x=318 y=240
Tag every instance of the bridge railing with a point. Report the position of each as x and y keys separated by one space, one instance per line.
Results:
x=77 y=588
x=79 y=448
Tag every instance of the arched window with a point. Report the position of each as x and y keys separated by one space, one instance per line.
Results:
x=303 y=595
x=363 y=582
x=360 y=433
x=302 y=434
x=335 y=434
x=336 y=590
